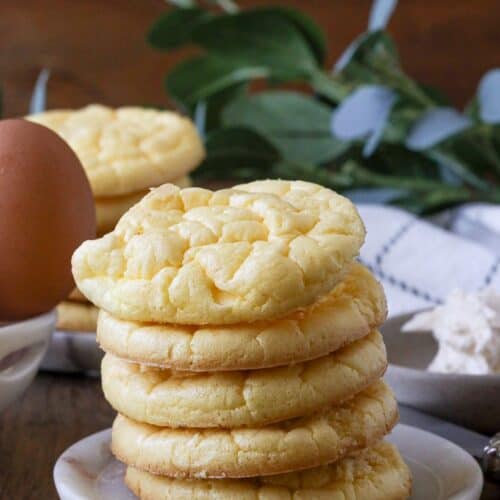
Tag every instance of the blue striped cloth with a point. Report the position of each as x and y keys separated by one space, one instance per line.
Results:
x=421 y=261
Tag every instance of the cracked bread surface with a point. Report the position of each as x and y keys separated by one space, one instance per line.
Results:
x=376 y=473
x=248 y=452
x=355 y=307
x=110 y=209
x=128 y=149
x=242 y=398
x=193 y=256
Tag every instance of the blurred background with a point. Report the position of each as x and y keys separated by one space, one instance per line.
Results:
x=97 y=50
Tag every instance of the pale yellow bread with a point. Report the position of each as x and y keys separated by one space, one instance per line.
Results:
x=76 y=317
x=354 y=308
x=127 y=149
x=242 y=398
x=376 y=473
x=109 y=210
x=248 y=452
x=194 y=256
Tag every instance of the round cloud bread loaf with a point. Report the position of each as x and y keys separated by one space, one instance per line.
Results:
x=193 y=256
x=376 y=473
x=355 y=307
x=248 y=452
x=242 y=398
x=127 y=149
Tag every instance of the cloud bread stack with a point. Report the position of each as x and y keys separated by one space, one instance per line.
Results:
x=124 y=152
x=242 y=351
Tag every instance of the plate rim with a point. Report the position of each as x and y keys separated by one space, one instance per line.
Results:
x=472 y=491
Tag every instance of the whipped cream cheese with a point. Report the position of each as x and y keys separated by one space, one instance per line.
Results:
x=467 y=328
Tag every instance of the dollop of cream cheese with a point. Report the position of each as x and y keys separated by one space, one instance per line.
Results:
x=467 y=329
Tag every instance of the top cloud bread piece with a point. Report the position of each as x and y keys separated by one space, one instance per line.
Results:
x=127 y=149
x=193 y=256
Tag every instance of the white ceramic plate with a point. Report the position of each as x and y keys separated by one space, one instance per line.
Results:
x=441 y=470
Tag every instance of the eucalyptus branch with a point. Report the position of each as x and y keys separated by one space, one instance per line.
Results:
x=370 y=111
x=329 y=86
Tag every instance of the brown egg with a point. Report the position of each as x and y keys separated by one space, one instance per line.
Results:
x=46 y=211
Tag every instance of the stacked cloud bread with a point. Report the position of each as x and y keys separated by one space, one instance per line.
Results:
x=242 y=351
x=124 y=152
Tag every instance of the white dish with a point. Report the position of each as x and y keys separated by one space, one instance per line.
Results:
x=468 y=400
x=441 y=470
x=22 y=347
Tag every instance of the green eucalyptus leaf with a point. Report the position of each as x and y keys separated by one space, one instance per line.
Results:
x=418 y=194
x=495 y=138
x=297 y=124
x=395 y=159
x=233 y=152
x=309 y=29
x=320 y=175
x=472 y=110
x=434 y=200
x=259 y=38
x=435 y=95
x=201 y=77
x=175 y=27
x=479 y=147
x=448 y=160
x=216 y=104
x=373 y=58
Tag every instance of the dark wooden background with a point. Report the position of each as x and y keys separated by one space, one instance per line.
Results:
x=97 y=51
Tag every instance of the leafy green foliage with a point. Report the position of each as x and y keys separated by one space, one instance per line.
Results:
x=308 y=28
x=370 y=51
x=175 y=28
x=258 y=38
x=298 y=126
x=278 y=133
x=236 y=153
x=201 y=77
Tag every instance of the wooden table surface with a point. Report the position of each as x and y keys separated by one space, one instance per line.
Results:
x=55 y=412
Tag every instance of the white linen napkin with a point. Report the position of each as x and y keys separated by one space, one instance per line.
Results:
x=420 y=262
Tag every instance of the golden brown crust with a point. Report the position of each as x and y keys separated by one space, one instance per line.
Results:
x=289 y=446
x=242 y=398
x=193 y=256
x=127 y=149
x=376 y=473
x=354 y=308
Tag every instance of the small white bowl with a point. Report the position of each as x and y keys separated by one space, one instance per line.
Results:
x=22 y=346
x=472 y=401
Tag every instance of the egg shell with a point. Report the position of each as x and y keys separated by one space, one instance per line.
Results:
x=46 y=211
